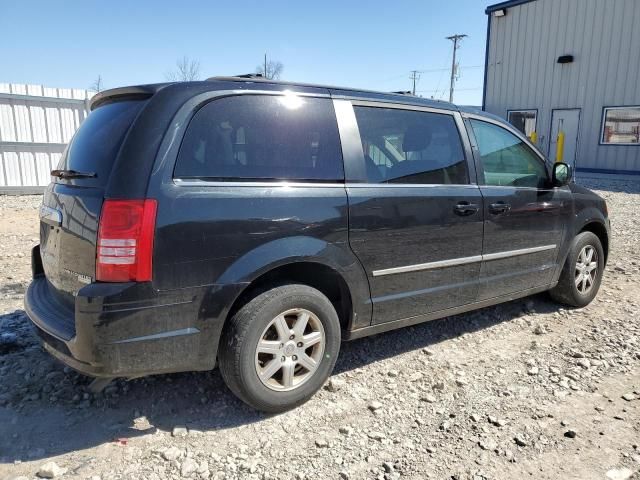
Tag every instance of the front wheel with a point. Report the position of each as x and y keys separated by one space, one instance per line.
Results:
x=582 y=272
x=280 y=347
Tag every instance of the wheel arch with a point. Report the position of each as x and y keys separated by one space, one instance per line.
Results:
x=600 y=231
x=332 y=268
x=308 y=272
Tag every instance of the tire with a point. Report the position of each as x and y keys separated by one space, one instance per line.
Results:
x=566 y=291
x=294 y=377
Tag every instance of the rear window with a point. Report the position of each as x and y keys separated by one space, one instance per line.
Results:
x=94 y=147
x=262 y=137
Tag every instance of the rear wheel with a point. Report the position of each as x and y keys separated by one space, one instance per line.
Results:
x=582 y=273
x=280 y=347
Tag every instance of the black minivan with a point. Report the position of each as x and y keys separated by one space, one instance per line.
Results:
x=255 y=224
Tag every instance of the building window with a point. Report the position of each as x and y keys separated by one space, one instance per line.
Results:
x=523 y=120
x=621 y=126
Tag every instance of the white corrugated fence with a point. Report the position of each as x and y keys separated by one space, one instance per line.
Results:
x=36 y=123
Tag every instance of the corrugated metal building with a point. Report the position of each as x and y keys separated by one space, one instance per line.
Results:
x=36 y=123
x=571 y=66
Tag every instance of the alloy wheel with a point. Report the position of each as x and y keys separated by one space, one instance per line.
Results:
x=586 y=269
x=290 y=350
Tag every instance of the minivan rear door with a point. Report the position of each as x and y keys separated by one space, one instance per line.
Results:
x=72 y=202
x=415 y=213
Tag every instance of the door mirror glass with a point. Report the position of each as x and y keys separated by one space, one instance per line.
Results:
x=561 y=174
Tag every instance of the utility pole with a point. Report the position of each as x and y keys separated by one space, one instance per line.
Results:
x=265 y=65
x=414 y=76
x=455 y=39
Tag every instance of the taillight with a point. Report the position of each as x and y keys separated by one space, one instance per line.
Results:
x=125 y=240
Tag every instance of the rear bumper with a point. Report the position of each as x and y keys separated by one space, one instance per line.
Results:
x=128 y=329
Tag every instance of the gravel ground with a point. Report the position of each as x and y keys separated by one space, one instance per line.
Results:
x=521 y=390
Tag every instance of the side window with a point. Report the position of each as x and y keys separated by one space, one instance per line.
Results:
x=506 y=159
x=406 y=146
x=262 y=137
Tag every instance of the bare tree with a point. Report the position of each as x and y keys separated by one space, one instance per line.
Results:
x=271 y=69
x=186 y=70
x=97 y=85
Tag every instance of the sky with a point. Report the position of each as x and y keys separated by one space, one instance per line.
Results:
x=364 y=44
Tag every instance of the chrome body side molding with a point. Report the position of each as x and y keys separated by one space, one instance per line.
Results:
x=461 y=261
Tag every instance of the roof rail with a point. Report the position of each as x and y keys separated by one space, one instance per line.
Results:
x=244 y=76
x=257 y=78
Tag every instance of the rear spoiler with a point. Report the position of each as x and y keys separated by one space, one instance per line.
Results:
x=117 y=94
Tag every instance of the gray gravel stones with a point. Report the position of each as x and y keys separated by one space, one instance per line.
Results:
x=322 y=443
x=521 y=440
x=51 y=470
x=335 y=384
x=438 y=386
x=179 y=431
x=496 y=421
x=540 y=330
x=428 y=398
x=188 y=467
x=172 y=453
x=451 y=398
x=584 y=363
x=486 y=444
x=619 y=473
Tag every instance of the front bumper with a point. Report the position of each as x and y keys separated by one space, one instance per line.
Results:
x=125 y=329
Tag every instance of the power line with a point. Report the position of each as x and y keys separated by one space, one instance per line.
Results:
x=430 y=70
x=395 y=77
x=457 y=90
x=439 y=83
x=455 y=39
x=447 y=68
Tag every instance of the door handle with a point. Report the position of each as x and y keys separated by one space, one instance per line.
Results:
x=499 y=207
x=465 y=208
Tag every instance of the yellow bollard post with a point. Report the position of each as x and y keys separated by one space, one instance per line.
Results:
x=534 y=137
x=560 y=147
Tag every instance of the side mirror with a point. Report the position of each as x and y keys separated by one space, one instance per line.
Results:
x=561 y=174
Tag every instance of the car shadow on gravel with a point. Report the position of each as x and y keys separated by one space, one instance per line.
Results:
x=379 y=347
x=47 y=409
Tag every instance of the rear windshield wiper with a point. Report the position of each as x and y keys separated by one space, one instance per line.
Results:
x=72 y=174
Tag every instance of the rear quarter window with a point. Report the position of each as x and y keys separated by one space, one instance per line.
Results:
x=262 y=137
x=94 y=147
